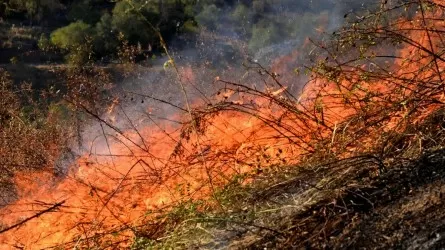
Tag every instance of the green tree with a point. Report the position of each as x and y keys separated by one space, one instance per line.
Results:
x=44 y=43
x=209 y=16
x=72 y=35
x=241 y=14
x=259 y=6
x=264 y=33
x=76 y=39
x=35 y=10
x=129 y=19
x=105 y=37
x=172 y=16
x=84 y=11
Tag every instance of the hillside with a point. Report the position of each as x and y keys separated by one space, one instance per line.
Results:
x=328 y=137
x=338 y=205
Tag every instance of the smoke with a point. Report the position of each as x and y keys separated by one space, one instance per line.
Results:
x=152 y=99
x=149 y=108
x=229 y=34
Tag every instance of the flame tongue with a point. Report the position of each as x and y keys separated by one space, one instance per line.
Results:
x=105 y=193
x=106 y=196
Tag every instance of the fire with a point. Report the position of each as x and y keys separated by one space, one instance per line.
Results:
x=107 y=196
x=113 y=191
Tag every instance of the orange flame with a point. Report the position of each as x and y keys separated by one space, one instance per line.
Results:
x=108 y=195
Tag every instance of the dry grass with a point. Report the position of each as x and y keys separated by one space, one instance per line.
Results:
x=32 y=139
x=369 y=131
x=338 y=204
x=364 y=135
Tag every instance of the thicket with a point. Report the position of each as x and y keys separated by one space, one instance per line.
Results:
x=33 y=137
x=40 y=125
x=259 y=22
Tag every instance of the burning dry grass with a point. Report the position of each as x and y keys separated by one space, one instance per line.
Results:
x=375 y=99
x=30 y=139
x=353 y=202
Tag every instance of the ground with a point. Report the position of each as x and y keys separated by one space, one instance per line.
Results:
x=359 y=208
x=347 y=204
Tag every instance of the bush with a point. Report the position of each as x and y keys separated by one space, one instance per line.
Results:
x=80 y=55
x=71 y=36
x=105 y=39
x=29 y=139
x=241 y=14
x=35 y=10
x=190 y=27
x=131 y=24
x=263 y=34
x=209 y=17
x=84 y=11
x=44 y=43
x=76 y=40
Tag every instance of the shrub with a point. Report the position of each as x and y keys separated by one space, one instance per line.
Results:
x=241 y=14
x=263 y=34
x=84 y=11
x=44 y=43
x=71 y=36
x=105 y=40
x=131 y=24
x=76 y=40
x=209 y=16
x=35 y=10
x=29 y=139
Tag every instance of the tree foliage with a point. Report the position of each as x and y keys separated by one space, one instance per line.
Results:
x=72 y=35
x=105 y=40
x=85 y=11
x=34 y=10
x=263 y=34
x=76 y=40
x=258 y=23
